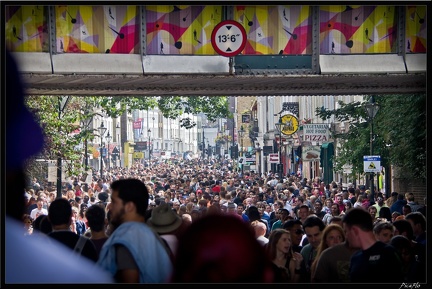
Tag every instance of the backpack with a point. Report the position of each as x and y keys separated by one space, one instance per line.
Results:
x=79 y=246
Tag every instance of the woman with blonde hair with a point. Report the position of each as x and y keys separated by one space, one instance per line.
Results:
x=332 y=235
x=285 y=262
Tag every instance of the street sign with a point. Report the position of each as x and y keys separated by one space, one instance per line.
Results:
x=371 y=164
x=251 y=160
x=316 y=132
x=311 y=153
x=140 y=146
x=273 y=158
x=267 y=150
x=290 y=124
x=138 y=155
x=228 y=38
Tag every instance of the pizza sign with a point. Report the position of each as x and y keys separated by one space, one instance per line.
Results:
x=315 y=132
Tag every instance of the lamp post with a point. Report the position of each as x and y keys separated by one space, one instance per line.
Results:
x=279 y=129
x=258 y=149
x=203 y=144
x=241 y=134
x=102 y=129
x=108 y=138
x=62 y=102
x=118 y=144
x=149 y=135
x=86 y=123
x=371 y=109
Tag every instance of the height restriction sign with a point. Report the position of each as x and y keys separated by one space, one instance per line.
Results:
x=228 y=38
x=371 y=164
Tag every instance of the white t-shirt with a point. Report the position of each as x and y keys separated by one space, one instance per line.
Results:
x=36 y=212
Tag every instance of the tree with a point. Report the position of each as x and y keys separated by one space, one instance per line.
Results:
x=64 y=134
x=399 y=134
x=171 y=107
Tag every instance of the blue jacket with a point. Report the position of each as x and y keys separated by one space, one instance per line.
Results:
x=397 y=206
x=150 y=255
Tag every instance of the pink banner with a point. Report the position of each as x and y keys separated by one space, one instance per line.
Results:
x=137 y=124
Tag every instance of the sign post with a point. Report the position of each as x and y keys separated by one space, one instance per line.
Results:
x=371 y=164
x=273 y=158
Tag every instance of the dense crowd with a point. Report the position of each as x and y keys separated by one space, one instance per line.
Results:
x=298 y=230
x=199 y=221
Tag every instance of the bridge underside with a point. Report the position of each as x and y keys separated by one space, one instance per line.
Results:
x=223 y=85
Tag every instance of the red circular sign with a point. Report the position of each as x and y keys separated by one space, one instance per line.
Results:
x=228 y=38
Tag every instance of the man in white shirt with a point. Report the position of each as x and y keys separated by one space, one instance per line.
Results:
x=39 y=210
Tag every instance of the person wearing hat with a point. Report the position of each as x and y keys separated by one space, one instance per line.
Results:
x=166 y=222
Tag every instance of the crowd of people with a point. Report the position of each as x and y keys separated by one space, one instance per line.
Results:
x=197 y=220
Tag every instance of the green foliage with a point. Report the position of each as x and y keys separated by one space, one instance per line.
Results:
x=62 y=136
x=399 y=133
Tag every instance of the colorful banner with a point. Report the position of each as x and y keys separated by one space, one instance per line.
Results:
x=97 y=29
x=181 y=29
x=186 y=30
x=26 y=28
x=137 y=124
x=276 y=29
x=416 y=29
x=358 y=29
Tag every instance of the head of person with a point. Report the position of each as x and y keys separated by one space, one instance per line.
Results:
x=240 y=208
x=417 y=221
x=220 y=249
x=406 y=209
x=357 y=222
x=303 y=212
x=283 y=214
x=313 y=227
x=96 y=218
x=347 y=204
x=384 y=231
x=332 y=235
x=318 y=207
x=380 y=201
x=335 y=210
x=404 y=228
x=385 y=213
x=129 y=201
x=336 y=220
x=373 y=211
x=60 y=212
x=279 y=241
x=259 y=228
x=403 y=248
x=39 y=203
x=295 y=227
x=395 y=215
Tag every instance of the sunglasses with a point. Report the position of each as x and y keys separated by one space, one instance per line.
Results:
x=299 y=232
